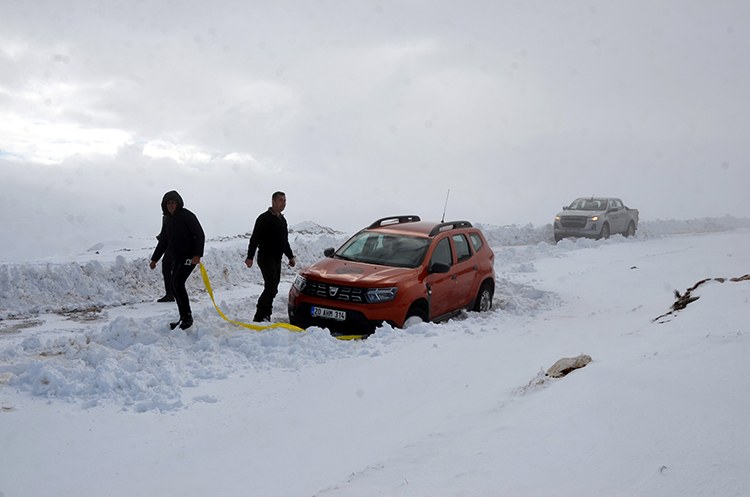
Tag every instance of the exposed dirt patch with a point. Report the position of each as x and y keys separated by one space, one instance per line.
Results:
x=683 y=300
x=12 y=326
x=84 y=315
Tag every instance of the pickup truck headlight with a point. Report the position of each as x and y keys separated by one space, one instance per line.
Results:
x=594 y=218
x=300 y=282
x=377 y=295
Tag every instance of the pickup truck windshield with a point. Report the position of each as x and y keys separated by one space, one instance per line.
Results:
x=588 y=204
x=385 y=249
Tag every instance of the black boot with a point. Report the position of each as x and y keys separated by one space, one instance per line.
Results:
x=167 y=298
x=187 y=322
x=175 y=324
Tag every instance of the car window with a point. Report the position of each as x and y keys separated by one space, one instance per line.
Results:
x=463 y=252
x=476 y=240
x=384 y=249
x=358 y=245
x=442 y=253
x=583 y=204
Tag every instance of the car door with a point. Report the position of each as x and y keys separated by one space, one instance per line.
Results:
x=616 y=216
x=441 y=284
x=465 y=271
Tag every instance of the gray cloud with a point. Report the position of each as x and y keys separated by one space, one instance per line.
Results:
x=359 y=110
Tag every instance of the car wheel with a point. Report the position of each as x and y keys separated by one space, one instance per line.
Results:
x=484 y=298
x=416 y=315
x=605 y=231
x=631 y=230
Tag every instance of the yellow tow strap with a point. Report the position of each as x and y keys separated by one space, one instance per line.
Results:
x=251 y=326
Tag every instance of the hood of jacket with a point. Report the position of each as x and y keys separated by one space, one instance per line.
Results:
x=172 y=195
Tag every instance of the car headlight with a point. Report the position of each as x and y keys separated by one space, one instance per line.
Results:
x=376 y=295
x=300 y=282
x=594 y=218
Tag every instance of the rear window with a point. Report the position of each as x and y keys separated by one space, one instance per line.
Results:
x=476 y=240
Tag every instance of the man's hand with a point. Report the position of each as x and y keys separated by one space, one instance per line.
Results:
x=249 y=262
x=196 y=260
x=152 y=265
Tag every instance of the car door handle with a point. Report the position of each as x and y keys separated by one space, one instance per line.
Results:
x=454 y=276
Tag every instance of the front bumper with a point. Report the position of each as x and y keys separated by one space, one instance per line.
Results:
x=356 y=322
x=590 y=229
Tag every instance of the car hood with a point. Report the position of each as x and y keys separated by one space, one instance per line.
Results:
x=579 y=213
x=354 y=273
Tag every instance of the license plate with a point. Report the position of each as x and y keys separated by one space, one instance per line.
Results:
x=322 y=312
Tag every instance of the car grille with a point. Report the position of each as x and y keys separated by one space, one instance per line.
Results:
x=573 y=221
x=334 y=292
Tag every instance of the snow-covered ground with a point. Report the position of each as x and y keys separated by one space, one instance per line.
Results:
x=100 y=397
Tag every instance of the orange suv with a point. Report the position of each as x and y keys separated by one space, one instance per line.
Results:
x=397 y=270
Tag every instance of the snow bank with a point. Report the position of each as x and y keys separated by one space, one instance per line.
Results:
x=141 y=365
x=705 y=225
x=532 y=235
x=110 y=278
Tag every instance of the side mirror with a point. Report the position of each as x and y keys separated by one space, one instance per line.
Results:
x=329 y=251
x=565 y=207
x=439 y=267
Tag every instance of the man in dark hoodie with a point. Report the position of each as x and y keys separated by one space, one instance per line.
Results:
x=271 y=238
x=183 y=238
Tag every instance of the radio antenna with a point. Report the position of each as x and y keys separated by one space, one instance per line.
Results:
x=446 y=205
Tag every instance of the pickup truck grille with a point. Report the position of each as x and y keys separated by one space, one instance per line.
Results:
x=573 y=221
x=335 y=292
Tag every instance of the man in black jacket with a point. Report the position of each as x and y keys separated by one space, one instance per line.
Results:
x=271 y=238
x=182 y=236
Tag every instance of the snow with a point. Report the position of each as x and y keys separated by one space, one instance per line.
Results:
x=100 y=397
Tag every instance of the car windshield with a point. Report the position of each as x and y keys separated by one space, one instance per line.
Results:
x=588 y=204
x=384 y=249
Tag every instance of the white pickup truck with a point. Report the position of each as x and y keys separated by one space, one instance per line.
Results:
x=595 y=217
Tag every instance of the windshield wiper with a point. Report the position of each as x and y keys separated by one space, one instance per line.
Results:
x=345 y=258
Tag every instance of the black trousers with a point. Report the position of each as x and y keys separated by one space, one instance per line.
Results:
x=270 y=268
x=166 y=271
x=180 y=273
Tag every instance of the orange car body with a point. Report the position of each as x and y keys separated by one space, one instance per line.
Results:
x=438 y=270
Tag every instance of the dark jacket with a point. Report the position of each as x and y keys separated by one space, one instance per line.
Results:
x=270 y=237
x=181 y=233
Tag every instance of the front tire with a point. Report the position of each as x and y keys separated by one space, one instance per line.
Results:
x=605 y=232
x=484 y=298
x=417 y=314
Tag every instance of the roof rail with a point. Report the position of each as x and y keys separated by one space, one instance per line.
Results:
x=450 y=225
x=394 y=220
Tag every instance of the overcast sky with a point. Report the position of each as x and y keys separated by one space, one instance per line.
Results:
x=359 y=110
